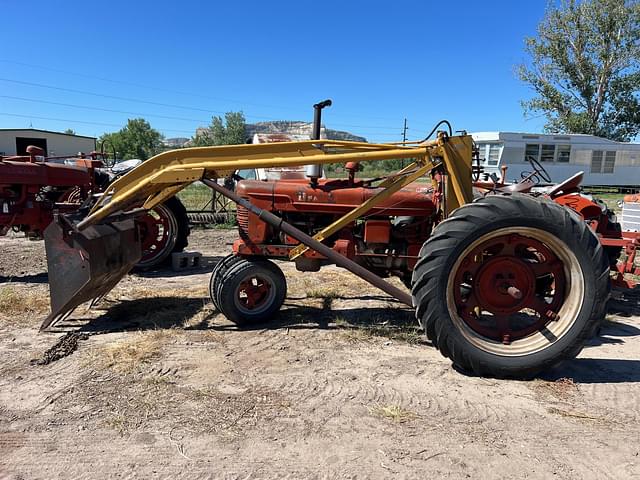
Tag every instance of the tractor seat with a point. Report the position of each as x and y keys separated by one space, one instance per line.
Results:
x=570 y=184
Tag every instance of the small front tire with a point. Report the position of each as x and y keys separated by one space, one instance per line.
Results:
x=250 y=291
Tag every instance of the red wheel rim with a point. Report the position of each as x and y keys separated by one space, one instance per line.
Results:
x=254 y=293
x=508 y=287
x=158 y=232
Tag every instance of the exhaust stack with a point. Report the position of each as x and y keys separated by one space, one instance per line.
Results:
x=314 y=172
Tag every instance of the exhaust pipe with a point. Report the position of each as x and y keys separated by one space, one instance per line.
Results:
x=314 y=172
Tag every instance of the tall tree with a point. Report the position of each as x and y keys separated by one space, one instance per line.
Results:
x=70 y=131
x=584 y=68
x=136 y=140
x=231 y=131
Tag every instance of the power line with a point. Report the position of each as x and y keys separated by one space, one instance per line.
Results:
x=83 y=121
x=115 y=97
x=143 y=114
x=169 y=105
x=149 y=87
x=139 y=85
x=23 y=99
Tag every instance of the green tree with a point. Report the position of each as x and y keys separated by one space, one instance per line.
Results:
x=584 y=68
x=70 y=131
x=136 y=140
x=231 y=131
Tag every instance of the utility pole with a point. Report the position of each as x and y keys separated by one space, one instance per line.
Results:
x=404 y=136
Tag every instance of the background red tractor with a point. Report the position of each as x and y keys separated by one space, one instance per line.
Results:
x=33 y=187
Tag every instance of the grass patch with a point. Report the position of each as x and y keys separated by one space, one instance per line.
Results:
x=14 y=303
x=562 y=388
x=156 y=309
x=395 y=413
x=396 y=325
x=128 y=355
x=323 y=292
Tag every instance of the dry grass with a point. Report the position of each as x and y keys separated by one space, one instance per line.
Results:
x=323 y=292
x=577 y=415
x=128 y=355
x=333 y=283
x=14 y=303
x=561 y=389
x=381 y=326
x=143 y=291
x=393 y=412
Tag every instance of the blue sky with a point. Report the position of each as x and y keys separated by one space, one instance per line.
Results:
x=379 y=62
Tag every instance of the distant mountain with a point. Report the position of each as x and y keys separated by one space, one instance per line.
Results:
x=299 y=128
x=175 y=142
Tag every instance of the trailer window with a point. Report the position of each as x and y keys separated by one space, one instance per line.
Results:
x=609 y=162
x=564 y=152
x=596 y=161
x=603 y=162
x=532 y=150
x=482 y=151
x=495 y=149
x=548 y=153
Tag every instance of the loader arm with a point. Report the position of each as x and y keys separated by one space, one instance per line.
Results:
x=87 y=256
x=164 y=175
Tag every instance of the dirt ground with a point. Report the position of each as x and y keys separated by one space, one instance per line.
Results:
x=340 y=385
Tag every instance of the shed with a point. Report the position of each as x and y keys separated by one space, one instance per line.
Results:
x=14 y=141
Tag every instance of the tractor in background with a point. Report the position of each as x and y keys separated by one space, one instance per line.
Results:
x=34 y=188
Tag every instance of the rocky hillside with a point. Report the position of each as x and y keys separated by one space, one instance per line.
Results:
x=299 y=128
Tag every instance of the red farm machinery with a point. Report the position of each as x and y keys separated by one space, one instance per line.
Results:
x=34 y=188
x=507 y=279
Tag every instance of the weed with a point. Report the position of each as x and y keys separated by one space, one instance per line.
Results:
x=128 y=355
x=14 y=304
x=393 y=412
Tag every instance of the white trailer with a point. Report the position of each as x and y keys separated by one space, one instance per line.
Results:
x=604 y=162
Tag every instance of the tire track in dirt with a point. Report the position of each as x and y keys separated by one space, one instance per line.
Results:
x=616 y=401
x=319 y=391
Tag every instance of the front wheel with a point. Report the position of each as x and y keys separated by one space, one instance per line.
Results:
x=249 y=290
x=510 y=285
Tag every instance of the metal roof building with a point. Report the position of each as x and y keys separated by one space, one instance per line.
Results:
x=14 y=141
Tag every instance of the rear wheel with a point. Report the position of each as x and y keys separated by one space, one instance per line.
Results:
x=510 y=285
x=163 y=230
x=250 y=291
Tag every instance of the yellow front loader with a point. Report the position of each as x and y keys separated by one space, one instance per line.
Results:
x=506 y=285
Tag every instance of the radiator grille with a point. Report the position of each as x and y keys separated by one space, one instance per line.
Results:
x=242 y=217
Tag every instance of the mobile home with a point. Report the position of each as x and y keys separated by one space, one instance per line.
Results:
x=604 y=162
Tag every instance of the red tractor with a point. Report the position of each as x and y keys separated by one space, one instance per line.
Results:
x=506 y=279
x=33 y=187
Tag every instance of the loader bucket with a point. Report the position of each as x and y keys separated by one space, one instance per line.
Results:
x=86 y=265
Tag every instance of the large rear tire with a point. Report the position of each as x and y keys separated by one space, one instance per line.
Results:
x=509 y=286
x=250 y=291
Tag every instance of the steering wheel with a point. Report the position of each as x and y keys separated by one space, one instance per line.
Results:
x=538 y=170
x=527 y=176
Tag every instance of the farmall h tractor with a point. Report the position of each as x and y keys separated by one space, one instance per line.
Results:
x=505 y=281
x=33 y=187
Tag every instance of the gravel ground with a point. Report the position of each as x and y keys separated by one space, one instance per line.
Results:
x=340 y=385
